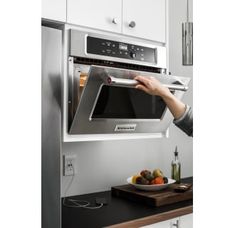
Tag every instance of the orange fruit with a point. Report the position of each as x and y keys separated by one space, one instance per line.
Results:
x=158 y=180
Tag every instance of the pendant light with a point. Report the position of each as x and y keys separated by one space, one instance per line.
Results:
x=187 y=41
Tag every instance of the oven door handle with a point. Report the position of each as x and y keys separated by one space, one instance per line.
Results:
x=176 y=87
x=113 y=81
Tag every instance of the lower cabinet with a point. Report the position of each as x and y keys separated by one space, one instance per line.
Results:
x=185 y=221
x=164 y=224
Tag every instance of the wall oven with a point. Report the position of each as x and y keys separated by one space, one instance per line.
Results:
x=101 y=94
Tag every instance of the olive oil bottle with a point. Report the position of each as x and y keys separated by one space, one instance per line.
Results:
x=176 y=167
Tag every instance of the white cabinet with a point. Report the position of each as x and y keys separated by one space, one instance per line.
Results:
x=164 y=224
x=54 y=10
x=138 y=18
x=102 y=14
x=145 y=19
x=185 y=221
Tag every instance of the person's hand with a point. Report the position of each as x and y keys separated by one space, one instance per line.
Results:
x=151 y=86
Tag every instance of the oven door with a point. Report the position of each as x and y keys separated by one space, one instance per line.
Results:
x=110 y=104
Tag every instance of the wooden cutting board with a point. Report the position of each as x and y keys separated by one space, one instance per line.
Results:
x=155 y=198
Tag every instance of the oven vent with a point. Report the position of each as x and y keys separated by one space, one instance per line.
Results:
x=88 y=61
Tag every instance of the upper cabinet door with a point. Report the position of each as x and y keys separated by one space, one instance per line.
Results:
x=102 y=14
x=54 y=10
x=145 y=19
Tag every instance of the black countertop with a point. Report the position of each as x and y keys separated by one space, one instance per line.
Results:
x=117 y=211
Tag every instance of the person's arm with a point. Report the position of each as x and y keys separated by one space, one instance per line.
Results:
x=183 y=116
x=185 y=122
x=153 y=87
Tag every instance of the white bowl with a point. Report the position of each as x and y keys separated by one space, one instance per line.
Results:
x=153 y=187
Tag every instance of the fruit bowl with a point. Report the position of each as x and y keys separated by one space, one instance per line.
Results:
x=152 y=187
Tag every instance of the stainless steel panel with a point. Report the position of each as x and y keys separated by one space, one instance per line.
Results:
x=81 y=122
x=51 y=126
x=78 y=48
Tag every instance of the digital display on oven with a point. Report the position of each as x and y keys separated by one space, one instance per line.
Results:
x=123 y=47
x=119 y=49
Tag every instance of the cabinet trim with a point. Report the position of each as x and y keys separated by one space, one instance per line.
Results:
x=154 y=218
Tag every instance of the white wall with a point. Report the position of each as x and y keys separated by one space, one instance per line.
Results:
x=101 y=165
x=177 y=12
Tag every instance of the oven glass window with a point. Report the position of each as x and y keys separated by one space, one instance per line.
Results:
x=127 y=103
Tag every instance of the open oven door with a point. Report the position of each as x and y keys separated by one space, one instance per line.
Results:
x=108 y=102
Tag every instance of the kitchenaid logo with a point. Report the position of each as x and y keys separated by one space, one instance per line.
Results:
x=125 y=127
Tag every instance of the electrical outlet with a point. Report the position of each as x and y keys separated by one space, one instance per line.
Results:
x=69 y=165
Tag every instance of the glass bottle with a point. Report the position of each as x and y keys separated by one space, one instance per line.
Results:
x=176 y=167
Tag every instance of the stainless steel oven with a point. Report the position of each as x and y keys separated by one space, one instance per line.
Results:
x=101 y=94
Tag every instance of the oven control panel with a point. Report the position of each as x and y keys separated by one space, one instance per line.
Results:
x=123 y=50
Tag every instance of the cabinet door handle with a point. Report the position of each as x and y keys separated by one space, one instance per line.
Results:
x=115 y=21
x=176 y=224
x=132 y=24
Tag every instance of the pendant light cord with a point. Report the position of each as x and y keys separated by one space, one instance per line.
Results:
x=187 y=12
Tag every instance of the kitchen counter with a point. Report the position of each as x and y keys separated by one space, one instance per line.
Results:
x=121 y=212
